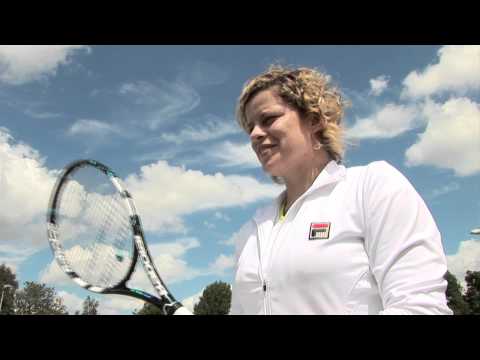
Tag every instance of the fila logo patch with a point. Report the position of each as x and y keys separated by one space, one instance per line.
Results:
x=319 y=231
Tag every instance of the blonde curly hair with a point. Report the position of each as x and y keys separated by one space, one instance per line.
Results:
x=311 y=93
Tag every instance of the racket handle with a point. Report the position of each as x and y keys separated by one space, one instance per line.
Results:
x=182 y=311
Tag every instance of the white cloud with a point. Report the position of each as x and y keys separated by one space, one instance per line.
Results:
x=451 y=139
x=166 y=101
x=71 y=301
x=20 y=64
x=390 y=121
x=92 y=127
x=212 y=129
x=209 y=225
x=172 y=266
x=378 y=85
x=12 y=255
x=37 y=114
x=219 y=215
x=177 y=248
x=235 y=155
x=26 y=185
x=167 y=257
x=118 y=305
x=170 y=262
x=53 y=275
x=466 y=258
x=202 y=73
x=457 y=70
x=221 y=264
x=445 y=189
x=95 y=92
x=165 y=154
x=36 y=109
x=90 y=267
x=108 y=304
x=230 y=241
x=95 y=134
x=194 y=153
x=13 y=265
x=142 y=92
x=163 y=193
x=190 y=302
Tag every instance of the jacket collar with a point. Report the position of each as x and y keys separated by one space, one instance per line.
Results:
x=331 y=173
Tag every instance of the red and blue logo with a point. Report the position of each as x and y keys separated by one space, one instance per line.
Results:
x=319 y=231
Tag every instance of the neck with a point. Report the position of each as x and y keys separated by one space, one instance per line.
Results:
x=300 y=182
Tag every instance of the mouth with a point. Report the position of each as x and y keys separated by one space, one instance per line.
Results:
x=264 y=151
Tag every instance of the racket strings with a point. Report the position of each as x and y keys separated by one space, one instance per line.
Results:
x=89 y=260
x=74 y=198
x=96 y=231
x=118 y=242
x=112 y=236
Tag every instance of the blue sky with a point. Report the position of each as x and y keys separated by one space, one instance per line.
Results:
x=163 y=118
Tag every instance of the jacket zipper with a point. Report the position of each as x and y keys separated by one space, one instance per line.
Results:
x=265 y=289
x=266 y=294
x=266 y=298
x=260 y=273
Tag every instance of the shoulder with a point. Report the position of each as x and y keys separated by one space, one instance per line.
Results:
x=241 y=236
x=381 y=173
x=383 y=184
x=249 y=229
x=382 y=167
x=377 y=173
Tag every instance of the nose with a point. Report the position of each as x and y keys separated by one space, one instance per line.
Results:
x=257 y=134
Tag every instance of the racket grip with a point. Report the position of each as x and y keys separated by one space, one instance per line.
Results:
x=182 y=311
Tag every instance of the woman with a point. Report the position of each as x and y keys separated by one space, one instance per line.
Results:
x=337 y=240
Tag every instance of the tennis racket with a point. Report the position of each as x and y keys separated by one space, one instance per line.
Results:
x=97 y=238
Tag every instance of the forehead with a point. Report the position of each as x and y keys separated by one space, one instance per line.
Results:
x=263 y=101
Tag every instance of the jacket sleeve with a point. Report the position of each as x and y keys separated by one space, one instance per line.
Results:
x=235 y=308
x=240 y=239
x=403 y=244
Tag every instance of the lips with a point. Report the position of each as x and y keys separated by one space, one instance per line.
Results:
x=265 y=150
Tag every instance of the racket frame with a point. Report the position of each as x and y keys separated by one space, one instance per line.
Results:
x=165 y=300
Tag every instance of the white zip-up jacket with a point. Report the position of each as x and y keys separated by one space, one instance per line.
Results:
x=358 y=241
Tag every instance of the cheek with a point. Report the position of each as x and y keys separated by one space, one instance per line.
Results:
x=295 y=141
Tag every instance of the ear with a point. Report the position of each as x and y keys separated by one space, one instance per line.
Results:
x=316 y=123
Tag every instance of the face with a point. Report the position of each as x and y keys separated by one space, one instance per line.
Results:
x=282 y=141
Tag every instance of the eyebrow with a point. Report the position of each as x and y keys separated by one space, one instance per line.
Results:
x=270 y=111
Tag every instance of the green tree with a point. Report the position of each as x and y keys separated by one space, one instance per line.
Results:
x=472 y=295
x=90 y=306
x=148 y=309
x=455 y=300
x=215 y=300
x=38 y=299
x=8 y=286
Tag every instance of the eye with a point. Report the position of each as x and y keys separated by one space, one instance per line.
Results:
x=268 y=120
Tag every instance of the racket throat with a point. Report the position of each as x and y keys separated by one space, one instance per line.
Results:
x=167 y=305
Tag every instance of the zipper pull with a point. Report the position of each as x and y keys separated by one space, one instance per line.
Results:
x=264 y=286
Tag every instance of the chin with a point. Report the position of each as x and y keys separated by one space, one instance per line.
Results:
x=270 y=170
x=273 y=166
